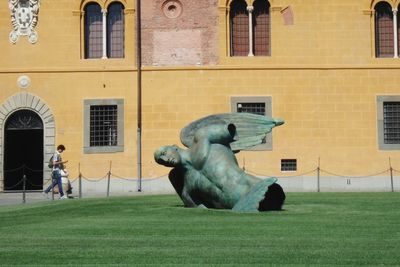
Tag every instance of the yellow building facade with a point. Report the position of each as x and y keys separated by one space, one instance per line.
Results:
x=322 y=75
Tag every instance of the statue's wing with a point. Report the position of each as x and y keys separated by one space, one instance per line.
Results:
x=251 y=129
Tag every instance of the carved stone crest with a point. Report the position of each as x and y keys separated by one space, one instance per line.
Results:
x=24 y=18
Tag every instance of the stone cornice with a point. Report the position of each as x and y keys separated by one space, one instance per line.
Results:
x=208 y=67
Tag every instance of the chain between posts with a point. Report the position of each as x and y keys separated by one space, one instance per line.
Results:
x=110 y=174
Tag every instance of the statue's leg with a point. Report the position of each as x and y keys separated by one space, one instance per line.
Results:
x=274 y=198
x=264 y=195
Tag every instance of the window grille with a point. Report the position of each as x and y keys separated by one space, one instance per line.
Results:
x=288 y=164
x=384 y=32
x=115 y=31
x=391 y=122
x=261 y=25
x=259 y=105
x=254 y=108
x=239 y=19
x=93 y=31
x=103 y=125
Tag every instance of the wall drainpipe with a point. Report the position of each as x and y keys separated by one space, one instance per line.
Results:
x=139 y=94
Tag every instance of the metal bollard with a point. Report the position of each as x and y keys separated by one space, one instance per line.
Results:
x=108 y=180
x=108 y=184
x=391 y=175
x=391 y=179
x=80 y=185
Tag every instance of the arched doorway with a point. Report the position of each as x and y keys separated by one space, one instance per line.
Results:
x=23 y=150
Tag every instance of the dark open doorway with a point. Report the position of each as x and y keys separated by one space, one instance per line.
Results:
x=23 y=151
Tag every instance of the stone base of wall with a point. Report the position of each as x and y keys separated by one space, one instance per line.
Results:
x=340 y=184
x=292 y=184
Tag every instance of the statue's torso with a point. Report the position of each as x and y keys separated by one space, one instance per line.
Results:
x=218 y=181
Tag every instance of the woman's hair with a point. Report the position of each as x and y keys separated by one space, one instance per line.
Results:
x=62 y=147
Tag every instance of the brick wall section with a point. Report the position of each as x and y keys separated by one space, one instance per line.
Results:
x=190 y=39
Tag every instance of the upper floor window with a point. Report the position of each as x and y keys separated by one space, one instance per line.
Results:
x=93 y=31
x=239 y=20
x=104 y=31
x=261 y=22
x=115 y=31
x=384 y=30
x=250 y=28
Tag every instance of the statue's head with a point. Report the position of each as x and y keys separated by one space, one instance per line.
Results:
x=168 y=156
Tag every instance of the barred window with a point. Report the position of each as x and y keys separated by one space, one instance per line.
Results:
x=254 y=108
x=261 y=25
x=288 y=164
x=384 y=32
x=115 y=31
x=93 y=31
x=239 y=20
x=103 y=125
x=259 y=105
x=391 y=122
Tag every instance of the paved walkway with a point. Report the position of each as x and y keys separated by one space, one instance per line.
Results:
x=16 y=198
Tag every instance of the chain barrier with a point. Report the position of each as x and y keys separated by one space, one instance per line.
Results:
x=14 y=170
x=353 y=176
x=122 y=178
x=321 y=170
x=395 y=170
x=32 y=170
x=94 y=180
x=14 y=186
x=32 y=184
x=279 y=177
x=110 y=175
x=135 y=179
x=23 y=167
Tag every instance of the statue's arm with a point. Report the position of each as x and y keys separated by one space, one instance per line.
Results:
x=204 y=137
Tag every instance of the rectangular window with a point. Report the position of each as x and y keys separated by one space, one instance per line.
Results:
x=388 y=113
x=103 y=121
x=254 y=108
x=260 y=105
x=288 y=165
x=103 y=125
x=391 y=122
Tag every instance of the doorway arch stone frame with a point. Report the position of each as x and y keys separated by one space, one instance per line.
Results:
x=25 y=100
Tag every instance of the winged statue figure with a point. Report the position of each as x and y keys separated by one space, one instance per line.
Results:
x=207 y=174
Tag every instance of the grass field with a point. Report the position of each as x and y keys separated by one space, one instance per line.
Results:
x=315 y=229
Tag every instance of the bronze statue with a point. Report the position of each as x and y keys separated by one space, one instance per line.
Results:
x=207 y=173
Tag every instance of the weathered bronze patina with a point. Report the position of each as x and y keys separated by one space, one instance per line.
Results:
x=207 y=174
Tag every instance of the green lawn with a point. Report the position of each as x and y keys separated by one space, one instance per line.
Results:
x=315 y=229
